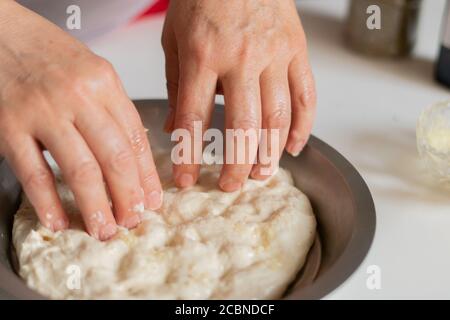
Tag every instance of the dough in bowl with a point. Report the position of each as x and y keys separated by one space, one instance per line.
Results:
x=202 y=244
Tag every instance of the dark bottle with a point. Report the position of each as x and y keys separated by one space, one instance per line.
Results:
x=443 y=64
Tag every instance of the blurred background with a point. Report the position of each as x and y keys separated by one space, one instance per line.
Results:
x=372 y=87
x=369 y=103
x=429 y=25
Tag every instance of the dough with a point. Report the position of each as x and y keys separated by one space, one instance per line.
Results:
x=202 y=244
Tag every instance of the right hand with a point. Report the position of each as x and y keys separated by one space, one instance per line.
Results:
x=254 y=52
x=56 y=94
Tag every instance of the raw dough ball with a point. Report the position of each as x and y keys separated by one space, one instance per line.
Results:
x=202 y=244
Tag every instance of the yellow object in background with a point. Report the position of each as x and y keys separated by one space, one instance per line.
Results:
x=433 y=139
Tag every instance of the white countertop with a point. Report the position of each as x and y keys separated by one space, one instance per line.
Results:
x=367 y=110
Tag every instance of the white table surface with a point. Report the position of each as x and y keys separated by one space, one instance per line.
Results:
x=367 y=110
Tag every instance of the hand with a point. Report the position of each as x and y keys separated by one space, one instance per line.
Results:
x=252 y=51
x=58 y=95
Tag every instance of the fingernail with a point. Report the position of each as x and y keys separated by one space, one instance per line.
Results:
x=255 y=172
x=107 y=231
x=261 y=173
x=230 y=186
x=60 y=224
x=295 y=148
x=132 y=221
x=154 y=200
x=185 y=180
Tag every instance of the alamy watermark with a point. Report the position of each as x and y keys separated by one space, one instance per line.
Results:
x=373 y=281
x=73 y=281
x=373 y=22
x=242 y=146
x=73 y=21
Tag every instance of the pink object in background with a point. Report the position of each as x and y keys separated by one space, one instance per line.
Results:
x=158 y=7
x=97 y=17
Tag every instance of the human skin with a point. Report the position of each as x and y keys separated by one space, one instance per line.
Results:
x=55 y=94
x=254 y=53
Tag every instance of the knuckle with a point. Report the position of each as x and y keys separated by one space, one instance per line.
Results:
x=297 y=134
x=100 y=74
x=150 y=178
x=86 y=171
x=284 y=40
x=247 y=54
x=280 y=117
x=238 y=171
x=38 y=179
x=245 y=50
x=103 y=66
x=310 y=97
x=187 y=120
x=307 y=96
x=306 y=100
x=121 y=160
x=138 y=141
x=79 y=83
x=199 y=50
x=245 y=123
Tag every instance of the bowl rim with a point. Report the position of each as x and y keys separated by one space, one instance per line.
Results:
x=363 y=233
x=345 y=265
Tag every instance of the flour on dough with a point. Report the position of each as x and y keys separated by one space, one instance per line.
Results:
x=202 y=244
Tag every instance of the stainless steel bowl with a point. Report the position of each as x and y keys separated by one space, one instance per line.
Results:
x=340 y=198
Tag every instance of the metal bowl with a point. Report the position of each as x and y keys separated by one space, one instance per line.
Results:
x=340 y=198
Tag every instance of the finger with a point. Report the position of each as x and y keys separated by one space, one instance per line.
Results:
x=126 y=116
x=242 y=111
x=195 y=103
x=37 y=180
x=172 y=91
x=114 y=153
x=276 y=120
x=303 y=100
x=172 y=76
x=83 y=175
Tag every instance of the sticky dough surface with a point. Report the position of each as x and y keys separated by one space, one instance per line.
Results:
x=202 y=244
